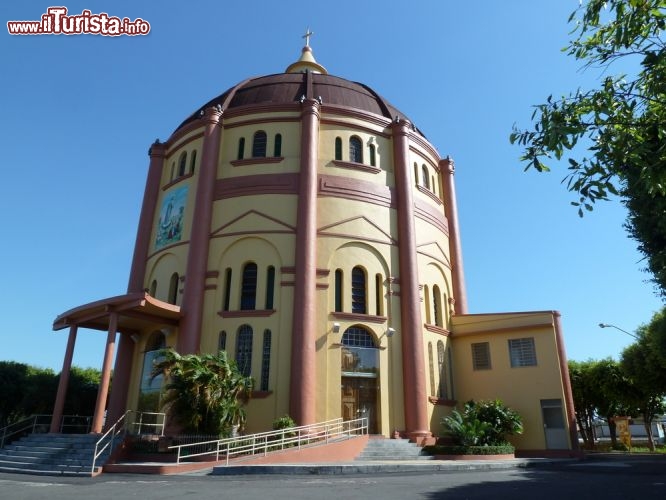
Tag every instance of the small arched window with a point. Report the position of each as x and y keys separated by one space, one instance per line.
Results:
x=373 y=155
x=431 y=369
x=379 y=294
x=241 y=149
x=222 y=341
x=259 y=144
x=426 y=177
x=173 y=288
x=244 y=350
x=416 y=174
x=270 y=287
x=182 y=164
x=227 y=289
x=173 y=170
x=249 y=287
x=355 y=149
x=338 y=290
x=359 y=302
x=338 y=149
x=193 y=160
x=426 y=296
x=265 y=361
x=434 y=186
x=277 y=145
x=441 y=389
x=437 y=306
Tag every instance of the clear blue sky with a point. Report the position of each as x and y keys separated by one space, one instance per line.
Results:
x=78 y=113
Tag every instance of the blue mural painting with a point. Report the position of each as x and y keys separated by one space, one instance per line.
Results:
x=170 y=225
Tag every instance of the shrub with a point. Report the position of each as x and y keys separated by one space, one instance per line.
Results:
x=469 y=450
x=483 y=423
x=284 y=422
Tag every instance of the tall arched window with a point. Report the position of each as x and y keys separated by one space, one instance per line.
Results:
x=259 y=144
x=379 y=294
x=373 y=155
x=270 y=286
x=441 y=390
x=173 y=288
x=222 y=341
x=426 y=296
x=244 y=350
x=338 y=290
x=173 y=170
x=249 y=287
x=182 y=164
x=265 y=361
x=355 y=149
x=416 y=174
x=153 y=288
x=437 y=306
x=357 y=336
x=359 y=302
x=277 y=145
x=227 y=289
x=338 y=149
x=193 y=160
x=426 y=177
x=431 y=366
x=241 y=149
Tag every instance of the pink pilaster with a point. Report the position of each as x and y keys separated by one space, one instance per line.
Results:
x=103 y=391
x=302 y=382
x=121 y=379
x=566 y=382
x=64 y=381
x=189 y=336
x=413 y=363
x=451 y=208
x=147 y=217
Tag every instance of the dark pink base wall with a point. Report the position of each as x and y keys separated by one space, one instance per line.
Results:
x=343 y=451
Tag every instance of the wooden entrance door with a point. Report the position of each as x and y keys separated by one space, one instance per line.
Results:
x=359 y=399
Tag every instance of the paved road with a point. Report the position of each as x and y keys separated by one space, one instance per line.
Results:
x=603 y=478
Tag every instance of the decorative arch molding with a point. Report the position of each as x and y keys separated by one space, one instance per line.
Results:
x=271 y=225
x=379 y=235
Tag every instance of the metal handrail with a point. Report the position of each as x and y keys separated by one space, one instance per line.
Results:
x=264 y=442
x=158 y=426
x=20 y=426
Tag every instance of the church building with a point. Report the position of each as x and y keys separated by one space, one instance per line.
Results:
x=305 y=225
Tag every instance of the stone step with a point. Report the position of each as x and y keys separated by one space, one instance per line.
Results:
x=391 y=450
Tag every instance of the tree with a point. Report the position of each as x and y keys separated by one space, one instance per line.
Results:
x=584 y=396
x=620 y=124
x=204 y=393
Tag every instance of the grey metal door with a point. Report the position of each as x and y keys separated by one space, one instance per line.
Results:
x=553 y=424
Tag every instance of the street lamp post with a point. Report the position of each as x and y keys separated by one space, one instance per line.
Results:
x=607 y=325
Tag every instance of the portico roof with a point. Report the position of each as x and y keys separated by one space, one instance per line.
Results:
x=135 y=311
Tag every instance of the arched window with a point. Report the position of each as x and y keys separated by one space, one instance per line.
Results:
x=434 y=186
x=182 y=164
x=277 y=145
x=173 y=288
x=373 y=155
x=441 y=390
x=357 y=336
x=265 y=361
x=193 y=160
x=173 y=170
x=338 y=290
x=244 y=350
x=153 y=288
x=270 y=286
x=338 y=149
x=431 y=367
x=241 y=149
x=426 y=177
x=359 y=357
x=355 y=149
x=379 y=294
x=416 y=174
x=222 y=341
x=437 y=306
x=227 y=289
x=249 y=287
x=259 y=144
x=426 y=296
x=358 y=291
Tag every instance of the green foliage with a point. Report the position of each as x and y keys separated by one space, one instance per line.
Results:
x=284 y=422
x=483 y=423
x=204 y=393
x=505 y=449
x=613 y=136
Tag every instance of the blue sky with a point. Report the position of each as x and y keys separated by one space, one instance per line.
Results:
x=79 y=112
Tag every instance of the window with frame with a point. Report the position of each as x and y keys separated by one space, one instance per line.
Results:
x=373 y=155
x=522 y=352
x=338 y=149
x=182 y=164
x=244 y=350
x=265 y=360
x=270 y=287
x=441 y=389
x=227 y=289
x=338 y=290
x=173 y=289
x=193 y=161
x=241 y=149
x=426 y=177
x=249 y=287
x=358 y=291
x=481 y=356
x=355 y=150
x=259 y=144
x=277 y=145
x=431 y=369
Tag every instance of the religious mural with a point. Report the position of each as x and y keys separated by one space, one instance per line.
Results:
x=170 y=225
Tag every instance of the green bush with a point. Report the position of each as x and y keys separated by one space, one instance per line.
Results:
x=506 y=449
x=483 y=423
x=284 y=422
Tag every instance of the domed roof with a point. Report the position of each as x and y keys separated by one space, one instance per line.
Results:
x=303 y=78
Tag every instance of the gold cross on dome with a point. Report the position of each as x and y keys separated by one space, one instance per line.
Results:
x=307 y=36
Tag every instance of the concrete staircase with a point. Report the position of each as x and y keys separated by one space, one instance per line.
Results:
x=52 y=455
x=382 y=449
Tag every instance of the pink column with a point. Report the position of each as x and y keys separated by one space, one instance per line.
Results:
x=189 y=336
x=411 y=332
x=61 y=395
x=458 y=275
x=566 y=382
x=121 y=379
x=147 y=218
x=303 y=369
x=100 y=405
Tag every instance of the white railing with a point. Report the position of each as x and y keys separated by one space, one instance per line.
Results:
x=41 y=424
x=125 y=425
x=262 y=443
